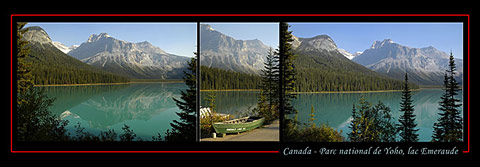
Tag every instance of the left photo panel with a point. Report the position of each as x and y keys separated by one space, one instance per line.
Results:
x=128 y=82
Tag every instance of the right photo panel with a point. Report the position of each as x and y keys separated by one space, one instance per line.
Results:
x=372 y=82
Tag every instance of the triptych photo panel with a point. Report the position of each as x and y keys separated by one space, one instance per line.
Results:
x=287 y=85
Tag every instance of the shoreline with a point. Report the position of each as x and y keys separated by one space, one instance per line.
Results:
x=370 y=91
x=230 y=90
x=373 y=91
x=98 y=84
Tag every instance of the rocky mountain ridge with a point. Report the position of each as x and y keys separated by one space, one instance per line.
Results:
x=222 y=51
x=135 y=60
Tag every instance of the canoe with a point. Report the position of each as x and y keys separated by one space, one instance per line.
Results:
x=206 y=112
x=238 y=125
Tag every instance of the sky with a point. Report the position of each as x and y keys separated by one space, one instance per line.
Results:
x=355 y=37
x=267 y=32
x=174 y=38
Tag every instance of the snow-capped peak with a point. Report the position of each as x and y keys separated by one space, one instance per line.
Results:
x=347 y=54
x=62 y=47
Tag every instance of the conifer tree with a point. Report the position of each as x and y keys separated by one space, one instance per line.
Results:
x=354 y=135
x=268 y=102
x=288 y=68
x=371 y=123
x=287 y=78
x=449 y=127
x=24 y=75
x=184 y=130
x=384 y=123
x=128 y=134
x=270 y=78
x=407 y=126
x=211 y=101
x=312 y=117
x=34 y=121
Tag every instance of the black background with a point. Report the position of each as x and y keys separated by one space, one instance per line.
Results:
x=225 y=146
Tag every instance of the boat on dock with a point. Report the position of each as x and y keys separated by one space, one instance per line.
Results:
x=238 y=125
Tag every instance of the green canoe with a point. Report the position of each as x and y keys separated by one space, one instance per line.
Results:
x=238 y=125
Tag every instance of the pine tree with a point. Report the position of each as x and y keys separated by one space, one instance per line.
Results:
x=268 y=102
x=24 y=69
x=270 y=78
x=449 y=127
x=264 y=109
x=384 y=123
x=34 y=121
x=407 y=126
x=128 y=134
x=354 y=135
x=184 y=130
x=287 y=77
x=211 y=101
x=288 y=68
x=371 y=123
x=312 y=117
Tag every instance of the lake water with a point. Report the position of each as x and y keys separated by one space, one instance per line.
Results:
x=237 y=103
x=335 y=109
x=148 y=108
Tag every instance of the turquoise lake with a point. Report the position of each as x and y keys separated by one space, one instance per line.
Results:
x=335 y=109
x=148 y=108
x=237 y=103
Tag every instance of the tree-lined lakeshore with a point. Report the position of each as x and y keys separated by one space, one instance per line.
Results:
x=369 y=122
x=267 y=107
x=131 y=81
x=34 y=118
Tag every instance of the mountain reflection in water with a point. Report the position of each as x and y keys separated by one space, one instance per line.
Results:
x=148 y=108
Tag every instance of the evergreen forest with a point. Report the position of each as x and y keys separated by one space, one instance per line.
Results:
x=220 y=79
x=51 y=66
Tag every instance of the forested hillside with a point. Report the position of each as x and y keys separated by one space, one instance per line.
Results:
x=51 y=66
x=219 y=79
x=325 y=71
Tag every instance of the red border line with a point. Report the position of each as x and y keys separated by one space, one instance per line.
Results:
x=11 y=83
x=241 y=15
x=194 y=152
x=468 y=85
x=223 y=15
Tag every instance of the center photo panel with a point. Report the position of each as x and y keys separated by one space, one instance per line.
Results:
x=239 y=82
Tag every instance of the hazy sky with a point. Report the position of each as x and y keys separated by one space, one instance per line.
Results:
x=175 y=38
x=355 y=37
x=266 y=32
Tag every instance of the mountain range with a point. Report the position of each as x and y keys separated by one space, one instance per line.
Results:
x=221 y=51
x=52 y=66
x=425 y=66
x=139 y=60
x=324 y=53
x=322 y=43
x=321 y=66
